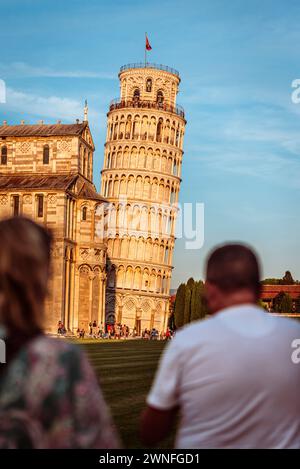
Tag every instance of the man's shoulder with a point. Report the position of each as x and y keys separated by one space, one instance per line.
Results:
x=196 y=330
x=288 y=324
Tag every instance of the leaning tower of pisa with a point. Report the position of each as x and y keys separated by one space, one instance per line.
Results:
x=141 y=181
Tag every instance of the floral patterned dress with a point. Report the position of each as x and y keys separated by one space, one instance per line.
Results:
x=50 y=398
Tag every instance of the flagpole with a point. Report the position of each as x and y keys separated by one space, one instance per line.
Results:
x=145 y=50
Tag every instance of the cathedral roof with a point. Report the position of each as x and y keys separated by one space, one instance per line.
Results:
x=42 y=130
x=88 y=192
x=64 y=182
x=25 y=181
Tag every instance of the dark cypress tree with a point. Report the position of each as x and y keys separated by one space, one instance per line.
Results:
x=286 y=304
x=187 y=305
x=171 y=322
x=179 y=306
x=277 y=302
x=198 y=310
x=271 y=281
x=194 y=300
x=190 y=304
x=190 y=283
x=288 y=279
x=283 y=303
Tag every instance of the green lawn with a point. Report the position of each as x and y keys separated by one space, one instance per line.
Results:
x=125 y=370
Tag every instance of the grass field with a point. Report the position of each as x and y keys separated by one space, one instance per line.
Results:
x=125 y=370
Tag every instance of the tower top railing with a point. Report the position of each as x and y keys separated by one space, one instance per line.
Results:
x=119 y=103
x=165 y=68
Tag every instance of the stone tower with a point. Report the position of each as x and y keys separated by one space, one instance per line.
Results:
x=141 y=180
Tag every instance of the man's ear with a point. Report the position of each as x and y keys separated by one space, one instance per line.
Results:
x=209 y=289
x=212 y=296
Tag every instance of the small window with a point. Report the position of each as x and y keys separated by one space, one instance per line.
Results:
x=46 y=153
x=105 y=189
x=166 y=260
x=88 y=165
x=4 y=155
x=136 y=95
x=175 y=168
x=84 y=214
x=159 y=130
x=40 y=206
x=149 y=85
x=16 y=205
x=173 y=196
x=160 y=97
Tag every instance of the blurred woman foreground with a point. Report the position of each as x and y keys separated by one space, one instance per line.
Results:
x=49 y=396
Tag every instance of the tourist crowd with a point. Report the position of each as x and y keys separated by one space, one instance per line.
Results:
x=117 y=331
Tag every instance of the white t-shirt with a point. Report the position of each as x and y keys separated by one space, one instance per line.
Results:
x=234 y=380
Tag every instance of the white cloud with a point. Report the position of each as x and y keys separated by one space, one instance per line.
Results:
x=243 y=94
x=259 y=142
x=52 y=107
x=218 y=95
x=266 y=164
x=24 y=70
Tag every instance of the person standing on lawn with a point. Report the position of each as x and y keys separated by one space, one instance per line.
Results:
x=49 y=394
x=232 y=376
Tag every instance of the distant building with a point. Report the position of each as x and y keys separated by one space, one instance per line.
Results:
x=269 y=292
x=46 y=174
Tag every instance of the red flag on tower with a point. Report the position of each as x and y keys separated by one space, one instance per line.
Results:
x=148 y=46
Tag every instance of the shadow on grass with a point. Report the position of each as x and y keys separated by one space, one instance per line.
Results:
x=125 y=370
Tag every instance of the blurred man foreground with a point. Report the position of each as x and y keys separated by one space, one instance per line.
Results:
x=231 y=377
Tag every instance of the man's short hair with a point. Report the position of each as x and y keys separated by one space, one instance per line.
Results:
x=234 y=267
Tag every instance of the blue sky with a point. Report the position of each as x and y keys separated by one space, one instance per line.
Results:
x=237 y=61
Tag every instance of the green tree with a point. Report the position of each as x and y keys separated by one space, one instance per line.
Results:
x=271 y=281
x=288 y=279
x=179 y=306
x=187 y=305
x=283 y=303
x=171 y=322
x=287 y=304
x=262 y=304
x=194 y=300
x=198 y=304
x=190 y=283
x=277 y=301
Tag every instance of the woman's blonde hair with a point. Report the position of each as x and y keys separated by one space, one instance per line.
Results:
x=24 y=271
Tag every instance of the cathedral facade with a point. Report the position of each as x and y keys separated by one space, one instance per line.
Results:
x=46 y=174
x=112 y=254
